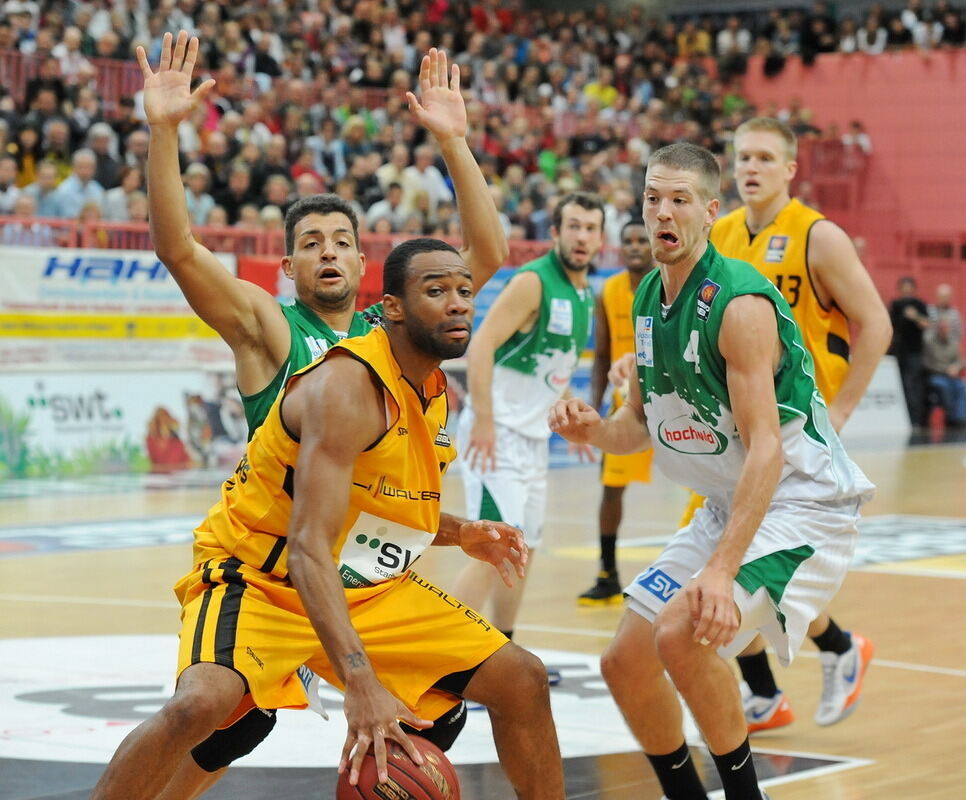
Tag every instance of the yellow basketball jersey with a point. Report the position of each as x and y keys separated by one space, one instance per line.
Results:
x=617 y=298
x=779 y=252
x=395 y=498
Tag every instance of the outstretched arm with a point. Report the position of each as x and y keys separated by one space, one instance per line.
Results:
x=244 y=315
x=440 y=109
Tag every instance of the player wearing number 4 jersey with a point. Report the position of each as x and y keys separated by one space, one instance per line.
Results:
x=726 y=396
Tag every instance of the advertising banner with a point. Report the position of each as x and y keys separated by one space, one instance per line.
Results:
x=77 y=423
x=84 y=308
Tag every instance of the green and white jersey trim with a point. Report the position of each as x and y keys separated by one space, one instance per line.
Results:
x=683 y=382
x=533 y=369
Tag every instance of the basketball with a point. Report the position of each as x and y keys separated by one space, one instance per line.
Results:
x=436 y=779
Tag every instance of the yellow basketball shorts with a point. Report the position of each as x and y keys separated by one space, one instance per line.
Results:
x=620 y=470
x=695 y=501
x=414 y=634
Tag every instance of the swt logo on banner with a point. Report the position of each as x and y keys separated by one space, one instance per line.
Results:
x=67 y=409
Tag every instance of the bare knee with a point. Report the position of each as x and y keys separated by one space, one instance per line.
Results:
x=672 y=639
x=198 y=707
x=628 y=661
x=522 y=683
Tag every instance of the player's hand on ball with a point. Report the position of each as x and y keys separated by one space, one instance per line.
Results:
x=574 y=419
x=372 y=716
x=498 y=544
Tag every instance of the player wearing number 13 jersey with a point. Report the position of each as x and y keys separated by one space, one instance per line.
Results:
x=815 y=266
x=778 y=252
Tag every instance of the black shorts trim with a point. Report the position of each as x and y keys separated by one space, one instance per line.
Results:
x=456 y=682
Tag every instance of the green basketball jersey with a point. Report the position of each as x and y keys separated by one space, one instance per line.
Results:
x=311 y=338
x=533 y=369
x=684 y=384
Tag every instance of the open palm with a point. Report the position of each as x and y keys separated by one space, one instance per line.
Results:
x=168 y=98
x=439 y=108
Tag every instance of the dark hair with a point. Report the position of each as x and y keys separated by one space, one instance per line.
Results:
x=317 y=204
x=689 y=157
x=630 y=222
x=587 y=200
x=400 y=257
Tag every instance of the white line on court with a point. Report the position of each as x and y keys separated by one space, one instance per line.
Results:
x=88 y=601
x=880 y=662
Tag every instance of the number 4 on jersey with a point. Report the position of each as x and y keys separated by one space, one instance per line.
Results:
x=691 y=352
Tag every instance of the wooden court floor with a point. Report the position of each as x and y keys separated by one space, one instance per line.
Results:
x=72 y=566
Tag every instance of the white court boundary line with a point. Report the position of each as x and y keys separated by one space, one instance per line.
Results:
x=597 y=633
x=587 y=632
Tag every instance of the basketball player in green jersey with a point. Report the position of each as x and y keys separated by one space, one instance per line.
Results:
x=270 y=341
x=727 y=398
x=521 y=360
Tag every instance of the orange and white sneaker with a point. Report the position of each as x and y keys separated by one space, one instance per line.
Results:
x=842 y=680
x=765 y=713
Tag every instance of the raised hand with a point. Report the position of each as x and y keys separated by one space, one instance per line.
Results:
x=498 y=544
x=439 y=108
x=168 y=98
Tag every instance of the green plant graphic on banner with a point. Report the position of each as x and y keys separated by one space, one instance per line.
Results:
x=19 y=460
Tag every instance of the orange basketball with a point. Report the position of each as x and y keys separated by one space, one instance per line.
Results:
x=436 y=779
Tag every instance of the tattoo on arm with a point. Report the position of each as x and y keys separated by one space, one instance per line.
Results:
x=356 y=660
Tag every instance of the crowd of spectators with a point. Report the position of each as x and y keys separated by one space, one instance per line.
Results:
x=309 y=98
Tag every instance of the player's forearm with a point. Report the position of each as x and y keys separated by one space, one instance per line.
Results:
x=168 y=210
x=868 y=347
x=753 y=494
x=621 y=433
x=483 y=237
x=315 y=577
x=479 y=380
x=598 y=381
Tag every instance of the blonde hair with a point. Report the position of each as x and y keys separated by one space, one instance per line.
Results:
x=771 y=125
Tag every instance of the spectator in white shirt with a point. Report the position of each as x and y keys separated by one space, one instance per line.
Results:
x=390 y=208
x=80 y=187
x=872 y=37
x=44 y=190
x=423 y=176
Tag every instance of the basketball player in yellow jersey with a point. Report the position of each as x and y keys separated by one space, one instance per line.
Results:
x=306 y=559
x=815 y=266
x=614 y=337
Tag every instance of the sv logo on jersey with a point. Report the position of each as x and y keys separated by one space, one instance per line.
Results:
x=691 y=436
x=659 y=583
